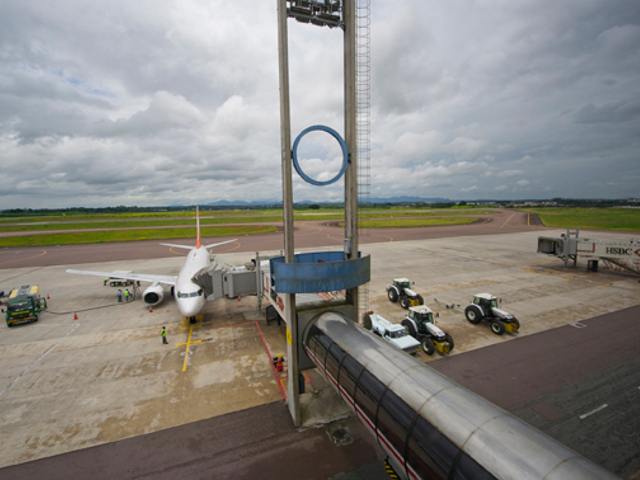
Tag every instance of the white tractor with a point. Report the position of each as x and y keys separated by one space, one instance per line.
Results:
x=401 y=290
x=486 y=307
x=421 y=325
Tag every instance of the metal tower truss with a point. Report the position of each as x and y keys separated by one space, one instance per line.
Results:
x=363 y=119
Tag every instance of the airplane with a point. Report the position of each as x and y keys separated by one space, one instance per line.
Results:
x=189 y=295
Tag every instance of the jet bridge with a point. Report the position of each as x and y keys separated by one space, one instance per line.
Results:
x=570 y=246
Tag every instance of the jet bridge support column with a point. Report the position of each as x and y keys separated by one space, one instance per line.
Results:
x=289 y=299
x=332 y=14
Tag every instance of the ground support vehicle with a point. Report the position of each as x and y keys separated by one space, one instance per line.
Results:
x=421 y=325
x=24 y=305
x=395 y=334
x=485 y=307
x=120 y=282
x=401 y=291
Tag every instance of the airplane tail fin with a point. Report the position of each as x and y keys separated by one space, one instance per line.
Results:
x=198 y=242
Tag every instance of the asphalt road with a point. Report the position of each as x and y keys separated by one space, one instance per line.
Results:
x=579 y=384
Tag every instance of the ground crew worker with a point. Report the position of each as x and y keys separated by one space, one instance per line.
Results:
x=164 y=336
x=105 y=281
x=119 y=295
x=126 y=294
x=278 y=362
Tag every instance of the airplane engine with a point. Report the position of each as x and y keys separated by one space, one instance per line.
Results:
x=153 y=295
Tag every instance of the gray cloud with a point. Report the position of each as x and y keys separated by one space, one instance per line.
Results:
x=118 y=102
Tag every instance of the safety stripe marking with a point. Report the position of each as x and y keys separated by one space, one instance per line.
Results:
x=601 y=407
x=186 y=352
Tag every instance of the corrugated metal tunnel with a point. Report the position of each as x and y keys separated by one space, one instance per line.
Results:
x=430 y=427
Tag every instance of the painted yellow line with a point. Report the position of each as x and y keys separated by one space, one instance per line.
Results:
x=191 y=326
x=508 y=219
x=192 y=343
x=528 y=219
x=44 y=252
x=186 y=352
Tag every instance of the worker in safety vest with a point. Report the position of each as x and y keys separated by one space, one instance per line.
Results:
x=164 y=336
x=126 y=294
x=106 y=280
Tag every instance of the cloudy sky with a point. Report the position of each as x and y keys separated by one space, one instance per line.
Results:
x=168 y=102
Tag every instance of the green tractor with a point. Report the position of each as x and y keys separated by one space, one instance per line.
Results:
x=420 y=324
x=401 y=291
x=487 y=307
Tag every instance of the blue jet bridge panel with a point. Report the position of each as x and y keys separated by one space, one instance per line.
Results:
x=319 y=272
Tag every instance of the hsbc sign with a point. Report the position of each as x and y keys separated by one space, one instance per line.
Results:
x=590 y=248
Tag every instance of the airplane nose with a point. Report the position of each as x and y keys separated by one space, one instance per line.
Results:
x=190 y=308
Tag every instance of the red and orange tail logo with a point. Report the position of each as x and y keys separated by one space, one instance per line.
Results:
x=198 y=242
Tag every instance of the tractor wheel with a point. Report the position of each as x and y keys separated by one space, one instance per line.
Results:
x=497 y=327
x=404 y=302
x=473 y=314
x=35 y=318
x=409 y=326
x=449 y=339
x=420 y=300
x=392 y=294
x=428 y=346
x=173 y=289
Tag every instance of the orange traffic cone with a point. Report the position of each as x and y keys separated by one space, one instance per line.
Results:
x=238 y=298
x=150 y=309
x=48 y=297
x=75 y=316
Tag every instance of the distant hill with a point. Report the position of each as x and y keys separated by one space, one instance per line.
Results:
x=408 y=200
x=240 y=203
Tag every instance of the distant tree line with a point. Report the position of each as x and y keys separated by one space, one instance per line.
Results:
x=554 y=202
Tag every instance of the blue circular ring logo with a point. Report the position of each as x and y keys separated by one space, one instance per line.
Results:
x=343 y=146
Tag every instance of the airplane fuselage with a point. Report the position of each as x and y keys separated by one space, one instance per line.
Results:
x=189 y=296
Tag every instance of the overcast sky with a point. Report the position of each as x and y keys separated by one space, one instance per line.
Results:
x=169 y=102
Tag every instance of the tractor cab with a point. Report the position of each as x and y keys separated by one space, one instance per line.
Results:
x=486 y=301
x=402 y=283
x=421 y=315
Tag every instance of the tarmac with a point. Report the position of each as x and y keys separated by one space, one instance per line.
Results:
x=101 y=396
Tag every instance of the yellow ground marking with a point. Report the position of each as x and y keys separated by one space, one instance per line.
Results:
x=605 y=285
x=508 y=219
x=185 y=343
x=186 y=352
x=44 y=252
x=283 y=380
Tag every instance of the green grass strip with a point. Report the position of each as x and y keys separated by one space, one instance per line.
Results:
x=130 y=235
x=622 y=219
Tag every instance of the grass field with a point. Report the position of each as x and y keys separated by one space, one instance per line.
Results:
x=129 y=235
x=621 y=219
x=71 y=228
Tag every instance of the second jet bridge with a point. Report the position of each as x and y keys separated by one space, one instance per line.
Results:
x=225 y=281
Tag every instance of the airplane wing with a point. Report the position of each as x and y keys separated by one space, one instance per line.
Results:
x=143 y=277
x=186 y=247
